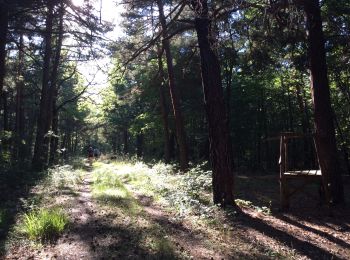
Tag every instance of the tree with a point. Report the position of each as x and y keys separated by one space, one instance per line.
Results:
x=175 y=99
x=45 y=116
x=219 y=135
x=323 y=113
x=3 y=40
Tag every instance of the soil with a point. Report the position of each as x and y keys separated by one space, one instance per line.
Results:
x=101 y=232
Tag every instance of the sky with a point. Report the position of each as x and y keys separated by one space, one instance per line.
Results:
x=96 y=71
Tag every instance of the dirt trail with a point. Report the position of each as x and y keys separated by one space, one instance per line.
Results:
x=99 y=232
x=121 y=221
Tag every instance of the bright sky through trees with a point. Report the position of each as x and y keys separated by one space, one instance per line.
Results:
x=96 y=71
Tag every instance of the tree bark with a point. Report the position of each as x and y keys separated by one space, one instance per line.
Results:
x=163 y=109
x=19 y=147
x=3 y=39
x=174 y=93
x=54 y=87
x=325 y=133
x=41 y=148
x=219 y=136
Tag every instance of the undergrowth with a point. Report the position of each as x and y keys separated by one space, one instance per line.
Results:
x=44 y=225
x=187 y=193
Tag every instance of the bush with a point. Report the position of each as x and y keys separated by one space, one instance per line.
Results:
x=44 y=225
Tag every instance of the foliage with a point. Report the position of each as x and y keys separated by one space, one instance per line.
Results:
x=187 y=193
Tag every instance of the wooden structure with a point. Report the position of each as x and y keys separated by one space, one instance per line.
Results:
x=287 y=174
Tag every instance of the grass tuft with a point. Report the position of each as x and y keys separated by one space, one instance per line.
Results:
x=44 y=225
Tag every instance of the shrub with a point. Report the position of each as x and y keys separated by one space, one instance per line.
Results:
x=44 y=225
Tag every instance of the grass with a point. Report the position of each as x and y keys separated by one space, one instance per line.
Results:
x=45 y=219
x=109 y=189
x=44 y=225
x=188 y=193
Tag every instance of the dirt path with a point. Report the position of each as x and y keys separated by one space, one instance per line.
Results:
x=114 y=218
x=136 y=228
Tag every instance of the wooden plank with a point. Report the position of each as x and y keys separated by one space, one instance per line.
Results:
x=304 y=173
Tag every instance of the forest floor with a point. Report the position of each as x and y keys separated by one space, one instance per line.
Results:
x=130 y=210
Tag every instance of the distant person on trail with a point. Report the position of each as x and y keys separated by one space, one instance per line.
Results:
x=96 y=153
x=90 y=154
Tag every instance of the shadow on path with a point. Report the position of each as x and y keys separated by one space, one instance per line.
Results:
x=15 y=188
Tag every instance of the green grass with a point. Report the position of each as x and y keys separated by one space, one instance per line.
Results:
x=44 y=225
x=110 y=189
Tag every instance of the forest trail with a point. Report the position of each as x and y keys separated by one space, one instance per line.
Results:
x=116 y=227
x=125 y=210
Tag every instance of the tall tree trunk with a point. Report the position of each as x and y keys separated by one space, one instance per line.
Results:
x=19 y=147
x=41 y=148
x=3 y=38
x=163 y=109
x=54 y=86
x=219 y=136
x=325 y=133
x=174 y=93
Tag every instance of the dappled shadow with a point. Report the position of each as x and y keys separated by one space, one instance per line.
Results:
x=144 y=200
x=103 y=240
x=301 y=246
x=15 y=189
x=125 y=203
x=303 y=226
x=262 y=191
x=323 y=234
x=66 y=190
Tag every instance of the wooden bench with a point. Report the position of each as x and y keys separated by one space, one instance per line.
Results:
x=286 y=175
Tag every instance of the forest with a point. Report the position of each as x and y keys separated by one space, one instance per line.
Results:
x=174 y=129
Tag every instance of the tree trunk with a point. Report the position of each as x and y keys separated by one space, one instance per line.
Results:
x=3 y=38
x=219 y=137
x=164 y=110
x=174 y=93
x=325 y=133
x=41 y=148
x=54 y=87
x=19 y=147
